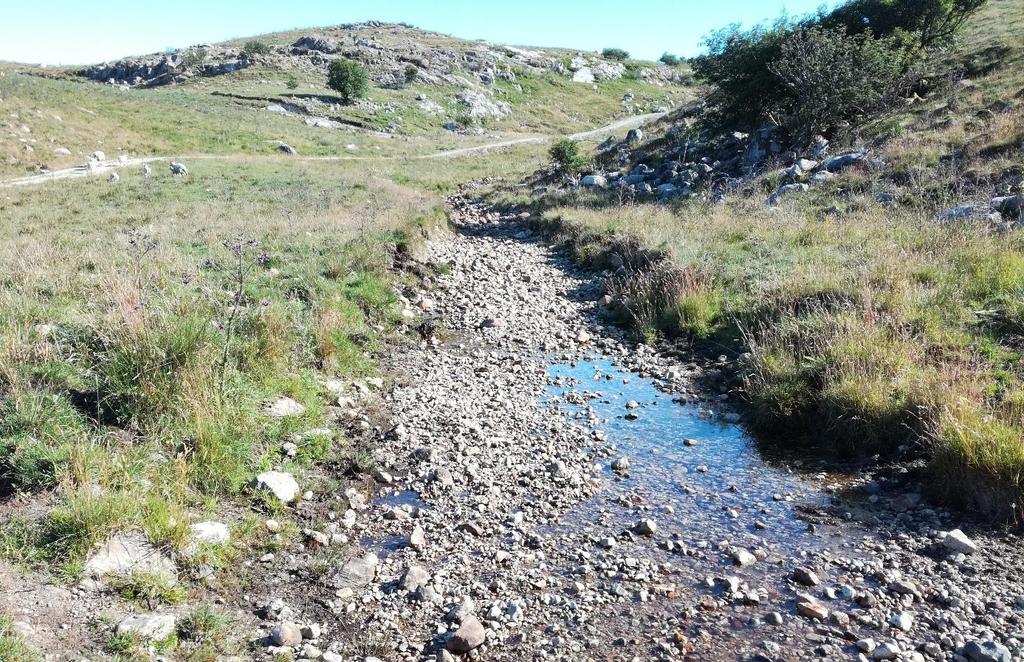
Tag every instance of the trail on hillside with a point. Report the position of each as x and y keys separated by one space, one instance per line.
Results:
x=113 y=165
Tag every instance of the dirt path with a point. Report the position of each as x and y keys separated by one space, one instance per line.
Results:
x=108 y=166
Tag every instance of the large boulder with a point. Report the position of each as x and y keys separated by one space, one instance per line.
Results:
x=314 y=43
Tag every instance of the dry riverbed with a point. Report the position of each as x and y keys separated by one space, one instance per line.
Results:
x=560 y=492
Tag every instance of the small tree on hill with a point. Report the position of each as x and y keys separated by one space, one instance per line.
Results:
x=566 y=155
x=348 y=79
x=615 y=54
x=670 y=60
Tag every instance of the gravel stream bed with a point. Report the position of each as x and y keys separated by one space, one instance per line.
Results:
x=553 y=490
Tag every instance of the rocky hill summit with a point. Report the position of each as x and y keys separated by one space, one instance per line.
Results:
x=392 y=54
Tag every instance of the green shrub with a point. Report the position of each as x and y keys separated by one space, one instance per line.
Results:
x=931 y=22
x=827 y=69
x=615 y=54
x=829 y=77
x=411 y=73
x=292 y=83
x=348 y=78
x=670 y=60
x=737 y=63
x=566 y=156
x=255 y=47
x=12 y=647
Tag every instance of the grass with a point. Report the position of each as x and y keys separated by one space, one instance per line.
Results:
x=860 y=332
x=12 y=647
x=145 y=325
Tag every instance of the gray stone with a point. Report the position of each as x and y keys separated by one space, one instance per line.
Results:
x=957 y=541
x=286 y=634
x=356 y=573
x=151 y=627
x=987 y=651
x=469 y=636
x=282 y=485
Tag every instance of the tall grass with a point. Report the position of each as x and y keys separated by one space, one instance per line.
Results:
x=861 y=331
x=139 y=343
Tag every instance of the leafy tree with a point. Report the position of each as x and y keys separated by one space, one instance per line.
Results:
x=615 y=54
x=566 y=155
x=670 y=60
x=255 y=47
x=347 y=78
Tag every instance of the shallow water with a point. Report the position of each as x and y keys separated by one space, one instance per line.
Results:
x=721 y=488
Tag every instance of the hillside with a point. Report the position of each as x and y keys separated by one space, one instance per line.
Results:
x=427 y=90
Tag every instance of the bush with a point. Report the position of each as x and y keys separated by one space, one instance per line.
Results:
x=292 y=83
x=411 y=72
x=931 y=22
x=829 y=77
x=828 y=69
x=615 y=54
x=255 y=47
x=566 y=155
x=736 y=63
x=348 y=79
x=670 y=60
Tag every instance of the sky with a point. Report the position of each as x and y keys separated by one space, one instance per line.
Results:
x=90 y=31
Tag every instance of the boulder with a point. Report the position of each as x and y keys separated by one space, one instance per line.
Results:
x=178 y=169
x=583 y=75
x=987 y=651
x=594 y=181
x=842 y=161
x=469 y=636
x=957 y=541
x=286 y=149
x=282 y=485
x=1010 y=205
x=356 y=573
x=284 y=407
x=149 y=627
x=127 y=554
x=286 y=634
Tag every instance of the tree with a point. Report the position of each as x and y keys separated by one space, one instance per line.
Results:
x=566 y=155
x=411 y=73
x=736 y=63
x=670 y=60
x=615 y=54
x=347 y=78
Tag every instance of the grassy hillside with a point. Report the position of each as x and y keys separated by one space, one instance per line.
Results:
x=857 y=321
x=47 y=109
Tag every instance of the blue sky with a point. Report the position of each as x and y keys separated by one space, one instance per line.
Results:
x=86 y=31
